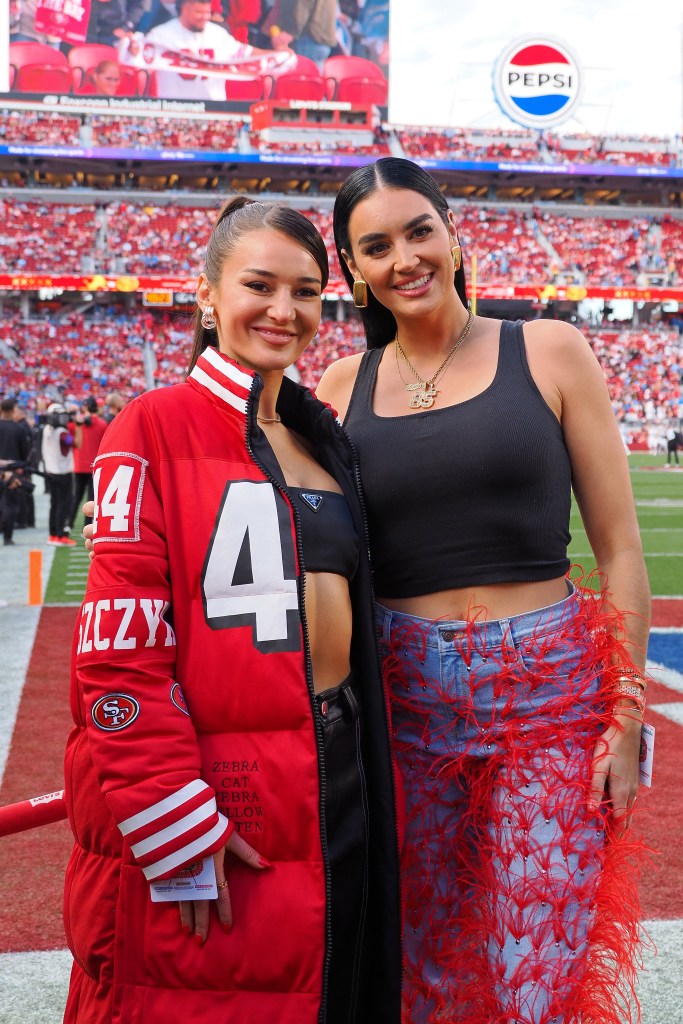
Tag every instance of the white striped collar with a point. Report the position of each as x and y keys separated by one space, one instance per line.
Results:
x=224 y=378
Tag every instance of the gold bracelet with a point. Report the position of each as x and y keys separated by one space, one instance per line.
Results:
x=632 y=675
x=630 y=692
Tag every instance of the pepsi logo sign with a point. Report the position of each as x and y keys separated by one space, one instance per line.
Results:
x=115 y=712
x=537 y=82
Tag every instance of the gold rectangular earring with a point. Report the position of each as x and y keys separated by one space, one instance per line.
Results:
x=456 y=253
x=360 y=294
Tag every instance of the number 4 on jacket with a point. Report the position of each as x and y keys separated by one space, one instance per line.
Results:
x=249 y=576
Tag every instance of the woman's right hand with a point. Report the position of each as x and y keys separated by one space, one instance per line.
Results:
x=194 y=914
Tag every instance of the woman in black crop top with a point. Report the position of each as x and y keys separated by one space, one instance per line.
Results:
x=517 y=698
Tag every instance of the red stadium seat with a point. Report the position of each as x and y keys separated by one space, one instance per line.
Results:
x=298 y=87
x=24 y=54
x=362 y=92
x=39 y=68
x=247 y=90
x=338 y=69
x=303 y=82
x=42 y=79
x=84 y=59
x=89 y=55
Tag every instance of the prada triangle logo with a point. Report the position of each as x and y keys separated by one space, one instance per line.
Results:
x=313 y=501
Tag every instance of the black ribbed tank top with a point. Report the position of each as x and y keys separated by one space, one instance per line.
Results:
x=469 y=494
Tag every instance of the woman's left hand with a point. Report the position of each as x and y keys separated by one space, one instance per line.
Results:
x=194 y=914
x=616 y=767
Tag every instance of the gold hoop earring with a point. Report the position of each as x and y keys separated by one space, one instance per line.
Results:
x=456 y=253
x=208 y=318
x=360 y=294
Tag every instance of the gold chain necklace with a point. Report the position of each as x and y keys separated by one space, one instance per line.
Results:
x=424 y=392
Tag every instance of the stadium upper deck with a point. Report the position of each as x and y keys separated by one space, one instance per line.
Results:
x=211 y=149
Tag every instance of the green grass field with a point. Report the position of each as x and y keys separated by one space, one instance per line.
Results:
x=69 y=572
x=659 y=503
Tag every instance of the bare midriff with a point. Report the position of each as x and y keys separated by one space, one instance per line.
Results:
x=327 y=599
x=328 y=615
x=493 y=601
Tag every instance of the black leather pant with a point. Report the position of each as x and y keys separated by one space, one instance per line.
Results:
x=346 y=825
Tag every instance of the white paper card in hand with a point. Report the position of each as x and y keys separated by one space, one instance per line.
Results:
x=647 y=751
x=195 y=882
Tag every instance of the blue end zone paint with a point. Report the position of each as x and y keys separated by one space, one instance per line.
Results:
x=667 y=649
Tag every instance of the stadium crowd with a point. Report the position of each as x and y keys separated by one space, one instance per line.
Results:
x=78 y=356
x=225 y=133
x=515 y=245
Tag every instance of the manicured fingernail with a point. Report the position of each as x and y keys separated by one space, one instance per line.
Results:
x=198 y=939
x=263 y=863
x=187 y=930
x=227 y=928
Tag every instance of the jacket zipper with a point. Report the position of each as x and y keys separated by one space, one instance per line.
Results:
x=301 y=587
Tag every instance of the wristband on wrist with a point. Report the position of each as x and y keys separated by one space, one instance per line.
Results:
x=634 y=676
x=633 y=693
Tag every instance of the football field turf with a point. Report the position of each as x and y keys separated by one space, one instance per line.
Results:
x=658 y=492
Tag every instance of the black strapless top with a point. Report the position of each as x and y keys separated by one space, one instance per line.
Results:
x=330 y=541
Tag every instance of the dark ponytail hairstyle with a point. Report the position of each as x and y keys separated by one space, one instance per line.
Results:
x=235 y=218
x=389 y=172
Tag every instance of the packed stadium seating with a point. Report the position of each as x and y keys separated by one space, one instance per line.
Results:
x=40 y=127
x=29 y=234
x=643 y=372
x=448 y=144
x=317 y=145
x=80 y=355
x=517 y=245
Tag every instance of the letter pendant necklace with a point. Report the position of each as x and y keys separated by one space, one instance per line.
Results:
x=424 y=392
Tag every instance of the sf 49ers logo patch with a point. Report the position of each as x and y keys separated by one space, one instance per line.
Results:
x=115 y=712
x=178 y=698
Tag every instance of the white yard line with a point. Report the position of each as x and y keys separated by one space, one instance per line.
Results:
x=674 y=712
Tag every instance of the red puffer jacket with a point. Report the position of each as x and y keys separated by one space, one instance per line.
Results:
x=193 y=716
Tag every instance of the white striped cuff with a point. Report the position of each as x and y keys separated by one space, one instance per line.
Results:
x=165 y=806
x=188 y=853
x=174 y=831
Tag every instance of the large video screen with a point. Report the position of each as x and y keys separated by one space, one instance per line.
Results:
x=202 y=51
x=612 y=67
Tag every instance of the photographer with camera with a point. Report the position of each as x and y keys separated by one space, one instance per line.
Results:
x=58 y=460
x=93 y=427
x=13 y=448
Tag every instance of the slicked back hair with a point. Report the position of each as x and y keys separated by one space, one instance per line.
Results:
x=236 y=217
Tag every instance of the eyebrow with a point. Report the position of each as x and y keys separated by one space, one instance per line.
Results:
x=364 y=239
x=269 y=273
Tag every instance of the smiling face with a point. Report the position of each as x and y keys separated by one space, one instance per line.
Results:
x=402 y=248
x=107 y=78
x=267 y=302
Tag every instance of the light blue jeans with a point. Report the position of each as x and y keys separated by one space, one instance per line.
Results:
x=494 y=729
